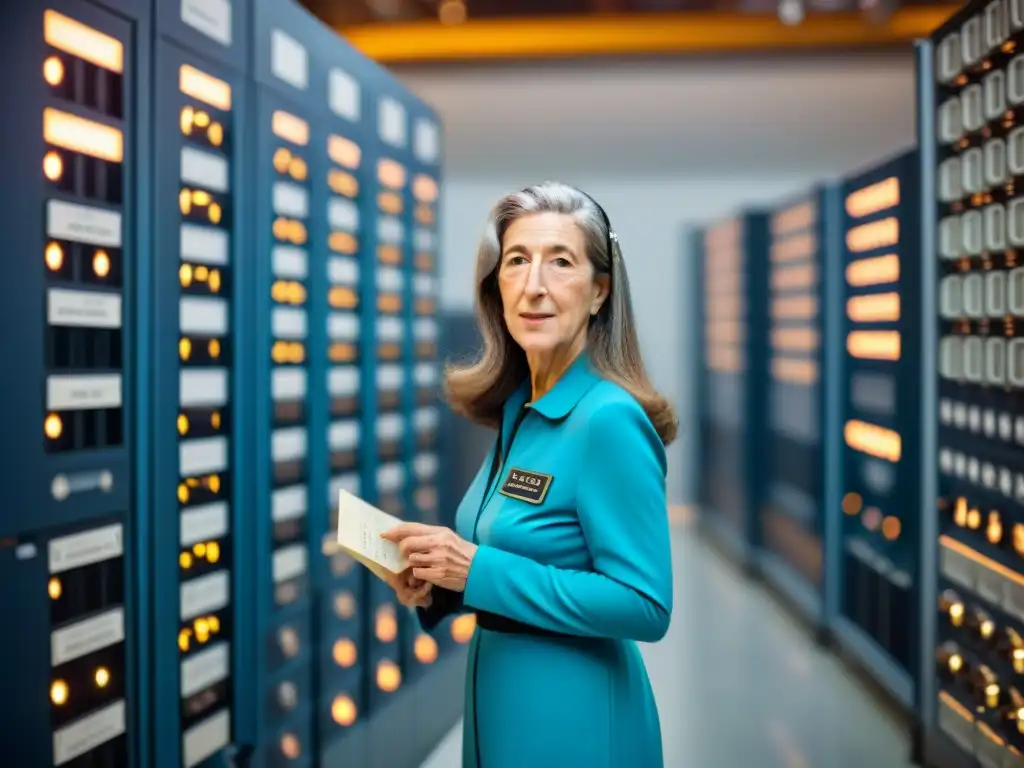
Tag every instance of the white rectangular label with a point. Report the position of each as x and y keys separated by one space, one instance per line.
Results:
x=205 y=456
x=423 y=240
x=349 y=483
x=390 y=426
x=390 y=477
x=83 y=309
x=290 y=262
x=423 y=285
x=209 y=17
x=207 y=522
x=343 y=381
x=204 y=669
x=204 y=169
x=206 y=594
x=426 y=141
x=343 y=214
x=343 y=326
x=288 y=503
x=290 y=200
x=390 y=230
x=343 y=94
x=203 y=316
x=426 y=419
x=425 y=465
x=426 y=374
x=87 y=733
x=82 y=224
x=389 y=329
x=389 y=279
x=288 y=384
x=203 y=388
x=206 y=738
x=343 y=270
x=391 y=122
x=289 y=60
x=289 y=562
x=425 y=329
x=85 y=548
x=83 y=393
x=343 y=435
x=204 y=245
x=289 y=323
x=390 y=376
x=288 y=444
x=87 y=636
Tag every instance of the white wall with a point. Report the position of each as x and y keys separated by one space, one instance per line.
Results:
x=662 y=146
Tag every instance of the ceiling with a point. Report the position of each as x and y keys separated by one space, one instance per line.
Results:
x=346 y=13
x=673 y=118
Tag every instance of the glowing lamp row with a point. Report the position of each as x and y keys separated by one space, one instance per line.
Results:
x=980 y=169
x=978 y=37
x=992 y=229
x=991 y=361
x=995 y=294
x=982 y=103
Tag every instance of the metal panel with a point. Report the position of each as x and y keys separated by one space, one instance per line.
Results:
x=69 y=554
x=199 y=401
x=880 y=421
x=734 y=266
x=289 y=368
x=970 y=88
x=793 y=514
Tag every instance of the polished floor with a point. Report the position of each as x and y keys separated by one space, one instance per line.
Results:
x=740 y=685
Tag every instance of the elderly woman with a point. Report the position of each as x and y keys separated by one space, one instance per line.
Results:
x=561 y=546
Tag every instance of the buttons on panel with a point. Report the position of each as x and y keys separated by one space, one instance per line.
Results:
x=980 y=369
x=204 y=419
x=875 y=571
x=289 y=373
x=385 y=653
x=83 y=257
x=88 y=687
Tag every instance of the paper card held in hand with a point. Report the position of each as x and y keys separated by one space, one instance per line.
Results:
x=359 y=528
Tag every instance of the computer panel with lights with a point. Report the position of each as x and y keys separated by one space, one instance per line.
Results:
x=290 y=332
x=879 y=502
x=200 y=486
x=733 y=265
x=801 y=399
x=71 y=522
x=345 y=175
x=970 y=89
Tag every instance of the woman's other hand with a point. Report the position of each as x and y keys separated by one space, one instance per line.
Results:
x=436 y=554
x=411 y=591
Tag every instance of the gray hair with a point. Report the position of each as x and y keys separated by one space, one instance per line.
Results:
x=479 y=389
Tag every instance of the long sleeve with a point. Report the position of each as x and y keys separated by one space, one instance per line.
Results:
x=623 y=513
x=445 y=602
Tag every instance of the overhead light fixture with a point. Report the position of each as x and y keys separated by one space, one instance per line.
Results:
x=791 y=12
x=451 y=11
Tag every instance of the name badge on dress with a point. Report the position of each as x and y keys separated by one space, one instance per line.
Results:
x=526 y=486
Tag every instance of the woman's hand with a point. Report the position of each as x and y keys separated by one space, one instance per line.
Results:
x=436 y=554
x=411 y=591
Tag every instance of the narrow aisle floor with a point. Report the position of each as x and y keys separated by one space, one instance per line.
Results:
x=739 y=684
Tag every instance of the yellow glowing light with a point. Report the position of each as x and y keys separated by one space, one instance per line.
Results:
x=344 y=652
x=391 y=173
x=54 y=256
x=184 y=640
x=53 y=166
x=463 y=627
x=213 y=347
x=425 y=649
x=215 y=133
x=185 y=348
x=101 y=264
x=102 y=677
x=54 y=588
x=389 y=676
x=53 y=426
x=206 y=88
x=343 y=711
x=873 y=440
x=186 y=120
x=59 y=692
x=290 y=746
x=70 y=36
x=874 y=198
x=289 y=127
x=53 y=70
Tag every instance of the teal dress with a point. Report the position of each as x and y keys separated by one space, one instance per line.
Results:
x=573 y=567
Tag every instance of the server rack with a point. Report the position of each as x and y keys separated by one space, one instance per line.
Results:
x=71 y=557
x=200 y=487
x=733 y=259
x=289 y=366
x=794 y=524
x=346 y=173
x=881 y=440
x=970 y=94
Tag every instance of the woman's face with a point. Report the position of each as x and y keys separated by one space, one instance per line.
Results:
x=547 y=283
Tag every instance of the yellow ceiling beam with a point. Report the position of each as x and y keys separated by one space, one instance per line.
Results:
x=633 y=35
